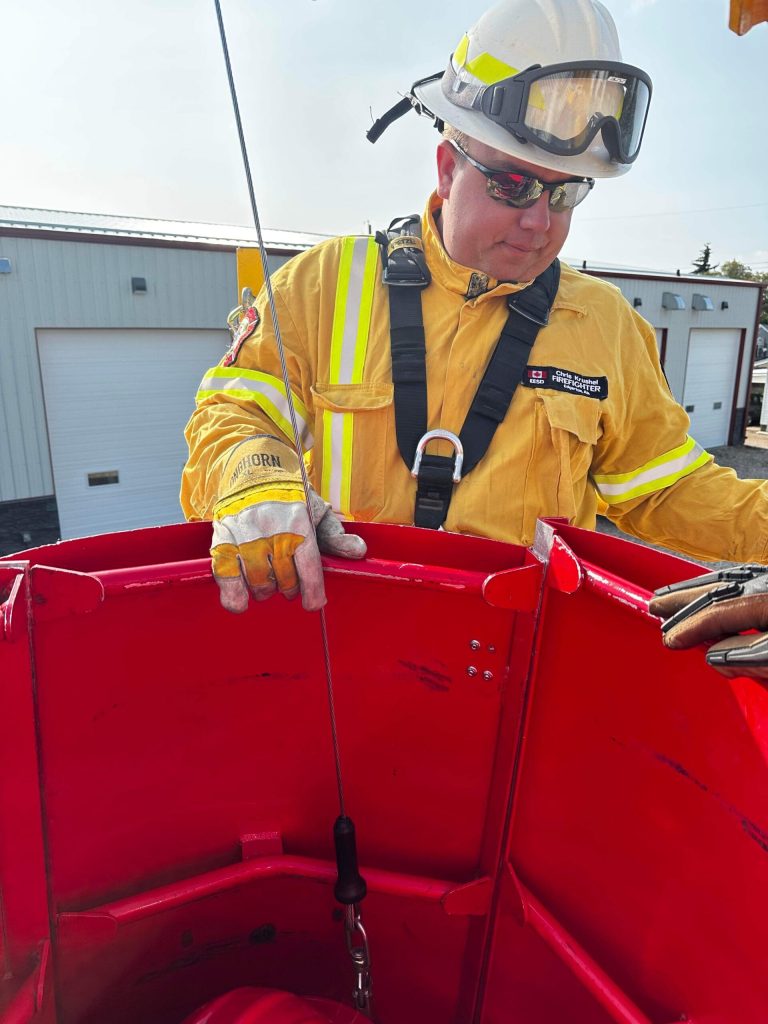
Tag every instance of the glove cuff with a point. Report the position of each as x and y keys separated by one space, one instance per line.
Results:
x=257 y=495
x=260 y=462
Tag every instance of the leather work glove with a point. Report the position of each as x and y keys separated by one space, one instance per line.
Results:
x=719 y=607
x=262 y=538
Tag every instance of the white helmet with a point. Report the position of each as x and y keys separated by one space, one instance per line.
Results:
x=543 y=81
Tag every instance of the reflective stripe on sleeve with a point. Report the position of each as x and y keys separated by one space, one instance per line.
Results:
x=355 y=285
x=654 y=476
x=264 y=390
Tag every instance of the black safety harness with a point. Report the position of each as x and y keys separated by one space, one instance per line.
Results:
x=406 y=275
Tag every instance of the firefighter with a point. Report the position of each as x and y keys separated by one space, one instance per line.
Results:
x=535 y=106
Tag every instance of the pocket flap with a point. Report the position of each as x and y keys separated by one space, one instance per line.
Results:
x=353 y=397
x=578 y=415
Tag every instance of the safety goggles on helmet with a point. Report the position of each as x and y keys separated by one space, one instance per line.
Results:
x=562 y=107
x=522 y=190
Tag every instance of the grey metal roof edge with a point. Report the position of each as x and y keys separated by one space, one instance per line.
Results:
x=607 y=270
x=36 y=221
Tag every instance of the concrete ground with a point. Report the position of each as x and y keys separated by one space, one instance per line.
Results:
x=749 y=460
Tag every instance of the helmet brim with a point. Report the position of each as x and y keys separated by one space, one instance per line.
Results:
x=474 y=124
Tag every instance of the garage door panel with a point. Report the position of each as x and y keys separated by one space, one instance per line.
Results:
x=117 y=401
x=709 y=383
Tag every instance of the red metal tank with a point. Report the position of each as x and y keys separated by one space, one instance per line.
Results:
x=557 y=818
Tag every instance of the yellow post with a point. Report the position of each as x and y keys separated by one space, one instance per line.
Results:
x=249 y=271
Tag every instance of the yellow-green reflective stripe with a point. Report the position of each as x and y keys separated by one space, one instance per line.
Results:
x=340 y=308
x=347 y=428
x=325 y=481
x=356 y=282
x=460 y=53
x=262 y=389
x=364 y=314
x=654 y=476
x=484 y=66
x=490 y=69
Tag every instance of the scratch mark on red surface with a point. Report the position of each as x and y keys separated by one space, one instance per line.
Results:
x=682 y=770
x=750 y=828
x=429 y=676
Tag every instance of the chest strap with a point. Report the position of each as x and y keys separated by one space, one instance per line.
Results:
x=406 y=274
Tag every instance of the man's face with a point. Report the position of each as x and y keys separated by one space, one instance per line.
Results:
x=487 y=235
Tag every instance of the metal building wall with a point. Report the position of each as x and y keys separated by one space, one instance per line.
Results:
x=73 y=283
x=61 y=283
x=740 y=314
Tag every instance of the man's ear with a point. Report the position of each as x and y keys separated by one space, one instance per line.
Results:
x=447 y=160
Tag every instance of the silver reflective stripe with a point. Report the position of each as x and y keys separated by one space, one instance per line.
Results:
x=653 y=476
x=355 y=284
x=264 y=390
x=345 y=373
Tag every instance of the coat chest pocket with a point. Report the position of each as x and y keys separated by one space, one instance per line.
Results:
x=567 y=427
x=352 y=425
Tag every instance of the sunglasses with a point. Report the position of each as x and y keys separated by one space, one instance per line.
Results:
x=522 y=190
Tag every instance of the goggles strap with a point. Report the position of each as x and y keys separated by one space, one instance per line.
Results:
x=381 y=124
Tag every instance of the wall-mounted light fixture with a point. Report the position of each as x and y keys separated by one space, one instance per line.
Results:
x=671 y=300
x=724 y=304
x=701 y=302
x=637 y=301
x=139 y=285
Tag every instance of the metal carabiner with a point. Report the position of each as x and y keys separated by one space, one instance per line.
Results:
x=444 y=435
x=357 y=945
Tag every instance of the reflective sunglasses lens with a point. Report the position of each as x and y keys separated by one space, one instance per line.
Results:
x=565 y=197
x=515 y=189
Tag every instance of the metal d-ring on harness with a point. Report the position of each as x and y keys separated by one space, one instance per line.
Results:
x=406 y=275
x=350 y=888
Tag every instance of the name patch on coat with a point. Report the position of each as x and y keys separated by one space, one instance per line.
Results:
x=555 y=379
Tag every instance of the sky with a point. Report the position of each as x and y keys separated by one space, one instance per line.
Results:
x=124 y=108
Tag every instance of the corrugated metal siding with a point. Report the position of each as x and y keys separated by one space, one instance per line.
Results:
x=740 y=314
x=79 y=284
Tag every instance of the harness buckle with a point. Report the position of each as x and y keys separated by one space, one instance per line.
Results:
x=405 y=264
x=445 y=435
x=436 y=476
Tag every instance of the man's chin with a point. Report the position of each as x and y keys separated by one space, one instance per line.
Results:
x=517 y=265
x=518 y=273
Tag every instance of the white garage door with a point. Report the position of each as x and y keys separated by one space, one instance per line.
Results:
x=116 y=402
x=710 y=379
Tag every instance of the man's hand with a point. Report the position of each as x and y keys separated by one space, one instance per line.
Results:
x=719 y=606
x=262 y=538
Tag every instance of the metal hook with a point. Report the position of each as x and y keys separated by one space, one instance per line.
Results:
x=357 y=945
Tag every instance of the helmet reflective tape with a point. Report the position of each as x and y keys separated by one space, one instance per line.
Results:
x=559 y=108
x=484 y=67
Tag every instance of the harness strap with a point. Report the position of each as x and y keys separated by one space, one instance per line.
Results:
x=528 y=313
x=406 y=274
x=404 y=267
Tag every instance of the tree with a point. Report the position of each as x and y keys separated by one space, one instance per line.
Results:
x=741 y=272
x=702 y=264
